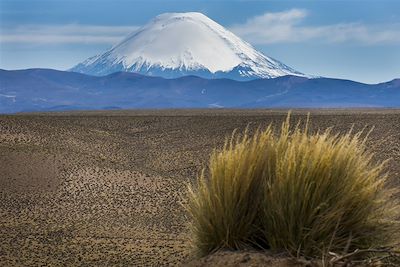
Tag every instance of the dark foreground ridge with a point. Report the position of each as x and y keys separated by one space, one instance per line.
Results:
x=51 y=90
x=104 y=188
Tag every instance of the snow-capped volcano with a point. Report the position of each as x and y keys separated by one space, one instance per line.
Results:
x=177 y=44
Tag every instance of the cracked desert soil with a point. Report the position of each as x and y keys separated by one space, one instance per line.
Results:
x=106 y=188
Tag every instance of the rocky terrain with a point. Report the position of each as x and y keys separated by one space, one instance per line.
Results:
x=106 y=188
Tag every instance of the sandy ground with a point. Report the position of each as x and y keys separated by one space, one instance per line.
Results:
x=105 y=188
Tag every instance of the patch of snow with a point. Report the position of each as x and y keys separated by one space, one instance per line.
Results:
x=13 y=97
x=215 y=105
x=273 y=95
x=8 y=96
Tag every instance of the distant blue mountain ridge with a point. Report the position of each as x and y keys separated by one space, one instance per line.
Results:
x=53 y=90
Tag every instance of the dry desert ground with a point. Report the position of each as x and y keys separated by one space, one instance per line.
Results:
x=105 y=188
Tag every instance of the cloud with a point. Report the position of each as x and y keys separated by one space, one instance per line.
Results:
x=288 y=27
x=65 y=34
x=274 y=27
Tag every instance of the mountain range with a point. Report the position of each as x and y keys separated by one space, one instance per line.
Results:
x=50 y=90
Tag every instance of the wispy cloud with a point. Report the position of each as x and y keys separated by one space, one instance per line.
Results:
x=288 y=27
x=65 y=34
x=275 y=27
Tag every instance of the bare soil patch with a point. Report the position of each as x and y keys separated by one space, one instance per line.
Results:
x=105 y=188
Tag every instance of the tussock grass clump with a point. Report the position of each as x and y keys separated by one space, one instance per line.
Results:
x=307 y=194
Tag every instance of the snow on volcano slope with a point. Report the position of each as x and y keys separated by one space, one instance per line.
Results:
x=178 y=44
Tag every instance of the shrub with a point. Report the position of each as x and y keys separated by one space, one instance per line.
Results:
x=304 y=193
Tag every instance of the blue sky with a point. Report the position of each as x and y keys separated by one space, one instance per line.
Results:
x=357 y=40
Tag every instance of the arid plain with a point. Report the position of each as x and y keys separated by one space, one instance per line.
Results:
x=106 y=188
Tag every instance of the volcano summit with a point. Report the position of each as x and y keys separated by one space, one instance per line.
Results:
x=178 y=44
